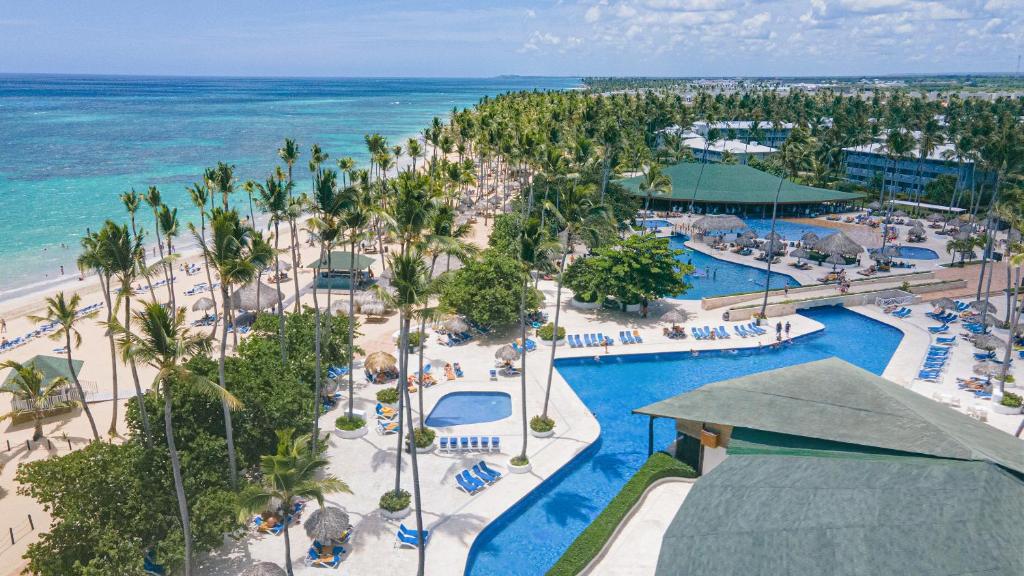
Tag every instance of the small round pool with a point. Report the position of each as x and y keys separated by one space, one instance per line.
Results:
x=649 y=223
x=916 y=253
x=459 y=408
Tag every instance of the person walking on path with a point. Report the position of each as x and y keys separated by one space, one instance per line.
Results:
x=787 y=330
x=778 y=329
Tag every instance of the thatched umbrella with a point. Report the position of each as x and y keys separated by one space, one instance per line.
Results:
x=982 y=306
x=254 y=296
x=809 y=238
x=916 y=224
x=800 y=254
x=988 y=342
x=838 y=243
x=775 y=246
x=744 y=242
x=943 y=303
x=773 y=236
x=935 y=217
x=365 y=297
x=282 y=266
x=456 y=325
x=264 y=569
x=507 y=353
x=327 y=524
x=987 y=369
x=874 y=206
x=373 y=308
x=380 y=362
x=203 y=304
x=674 y=316
x=339 y=307
x=719 y=223
x=748 y=234
x=835 y=259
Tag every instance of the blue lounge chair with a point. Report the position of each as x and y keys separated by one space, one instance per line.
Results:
x=485 y=443
x=443 y=444
x=494 y=374
x=739 y=331
x=474 y=443
x=411 y=537
x=636 y=337
x=722 y=333
x=938 y=329
x=586 y=338
x=695 y=333
x=622 y=337
x=984 y=355
x=496 y=443
x=579 y=341
x=947 y=340
x=483 y=475
x=464 y=443
x=466 y=485
x=494 y=473
x=572 y=343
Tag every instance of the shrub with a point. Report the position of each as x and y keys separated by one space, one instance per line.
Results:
x=414 y=339
x=1012 y=400
x=393 y=501
x=593 y=538
x=424 y=437
x=545 y=332
x=541 y=424
x=346 y=423
x=387 y=395
x=519 y=461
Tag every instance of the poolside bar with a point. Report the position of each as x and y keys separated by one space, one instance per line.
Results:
x=341 y=271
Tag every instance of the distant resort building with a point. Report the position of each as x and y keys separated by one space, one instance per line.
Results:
x=825 y=468
x=745 y=130
x=741 y=190
x=868 y=164
x=716 y=150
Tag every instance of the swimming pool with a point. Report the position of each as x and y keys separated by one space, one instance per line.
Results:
x=915 y=253
x=529 y=537
x=653 y=223
x=715 y=277
x=787 y=229
x=459 y=408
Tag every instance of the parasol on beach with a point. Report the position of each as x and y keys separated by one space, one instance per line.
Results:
x=748 y=234
x=835 y=259
x=809 y=238
x=987 y=369
x=675 y=316
x=373 y=308
x=800 y=254
x=988 y=342
x=943 y=303
x=507 y=353
x=935 y=218
x=838 y=243
x=719 y=223
x=203 y=304
x=456 y=325
x=379 y=362
x=982 y=306
x=339 y=307
x=327 y=524
x=253 y=296
x=899 y=214
x=365 y=297
x=264 y=569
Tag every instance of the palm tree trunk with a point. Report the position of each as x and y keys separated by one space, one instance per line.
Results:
x=143 y=414
x=78 y=386
x=112 y=431
x=170 y=275
x=229 y=432
x=179 y=486
x=1008 y=352
x=423 y=331
x=317 y=403
x=522 y=360
x=351 y=330
x=295 y=262
x=421 y=549
x=209 y=275
x=403 y=392
x=37 y=431
x=771 y=251
x=287 y=544
x=280 y=298
x=558 y=309
x=135 y=233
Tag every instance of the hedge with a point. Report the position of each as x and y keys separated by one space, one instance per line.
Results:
x=590 y=542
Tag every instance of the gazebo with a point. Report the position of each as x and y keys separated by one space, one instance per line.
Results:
x=339 y=268
x=52 y=367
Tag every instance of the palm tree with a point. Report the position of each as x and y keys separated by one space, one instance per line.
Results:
x=655 y=182
x=413 y=150
x=132 y=200
x=289 y=154
x=200 y=195
x=249 y=186
x=152 y=198
x=291 y=473
x=354 y=218
x=168 y=220
x=274 y=201
x=66 y=314
x=228 y=252
x=165 y=343
x=223 y=181
x=28 y=386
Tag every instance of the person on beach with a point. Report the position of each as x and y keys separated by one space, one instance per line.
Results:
x=3 y=326
x=787 y=330
x=778 y=329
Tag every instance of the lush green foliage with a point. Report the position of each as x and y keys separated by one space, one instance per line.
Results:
x=542 y=424
x=640 y=267
x=387 y=395
x=424 y=437
x=546 y=331
x=345 y=423
x=593 y=538
x=394 y=501
x=1012 y=400
x=487 y=291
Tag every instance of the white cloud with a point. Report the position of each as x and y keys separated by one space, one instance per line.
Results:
x=531 y=13
x=872 y=6
x=593 y=14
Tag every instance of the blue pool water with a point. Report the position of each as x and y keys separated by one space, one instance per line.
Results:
x=915 y=253
x=528 y=538
x=470 y=408
x=715 y=277
x=654 y=223
x=785 y=228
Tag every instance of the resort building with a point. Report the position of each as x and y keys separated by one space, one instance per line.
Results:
x=714 y=152
x=747 y=130
x=739 y=189
x=337 y=270
x=825 y=468
x=869 y=164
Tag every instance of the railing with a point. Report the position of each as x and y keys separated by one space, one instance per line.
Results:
x=61 y=398
x=885 y=302
x=17 y=532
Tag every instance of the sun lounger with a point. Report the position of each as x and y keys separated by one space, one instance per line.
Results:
x=464 y=443
x=494 y=473
x=494 y=374
x=938 y=329
x=484 y=475
x=407 y=537
x=722 y=333
x=636 y=337
x=474 y=443
x=485 y=444
x=467 y=486
x=695 y=333
x=386 y=428
x=442 y=444
x=496 y=443
x=946 y=340
x=579 y=342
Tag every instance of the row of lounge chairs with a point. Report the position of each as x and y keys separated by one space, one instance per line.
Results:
x=902 y=312
x=320 y=557
x=456 y=339
x=589 y=340
x=199 y=288
x=275 y=528
x=935 y=361
x=453 y=444
x=481 y=477
x=627 y=337
x=944 y=317
x=42 y=329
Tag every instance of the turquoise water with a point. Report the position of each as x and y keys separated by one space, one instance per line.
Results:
x=785 y=228
x=72 y=144
x=469 y=408
x=528 y=538
x=714 y=277
x=654 y=223
x=915 y=253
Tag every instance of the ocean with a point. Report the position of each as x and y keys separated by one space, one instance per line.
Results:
x=72 y=144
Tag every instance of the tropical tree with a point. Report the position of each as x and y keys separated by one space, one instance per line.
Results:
x=168 y=220
x=223 y=182
x=164 y=342
x=290 y=474
x=655 y=183
x=132 y=201
x=289 y=154
x=153 y=200
x=65 y=313
x=200 y=195
x=28 y=385
x=273 y=199
x=354 y=218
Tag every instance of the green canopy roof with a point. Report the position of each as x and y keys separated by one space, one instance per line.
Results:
x=340 y=260
x=833 y=400
x=736 y=184
x=51 y=366
x=844 y=513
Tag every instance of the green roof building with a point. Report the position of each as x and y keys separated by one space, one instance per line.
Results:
x=739 y=189
x=339 y=268
x=824 y=468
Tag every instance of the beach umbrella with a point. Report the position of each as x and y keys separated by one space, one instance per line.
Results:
x=935 y=218
x=203 y=304
x=988 y=342
x=835 y=259
x=365 y=297
x=748 y=234
x=245 y=298
x=982 y=306
x=374 y=308
x=456 y=325
x=987 y=369
x=838 y=243
x=744 y=242
x=327 y=524
x=775 y=246
x=915 y=224
x=379 y=362
x=874 y=206
x=800 y=253
x=773 y=236
x=943 y=303
x=899 y=214
x=282 y=266
x=674 y=316
x=809 y=238
x=719 y=223
x=264 y=569
x=339 y=307
x=507 y=353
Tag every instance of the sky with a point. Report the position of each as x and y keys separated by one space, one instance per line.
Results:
x=488 y=37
